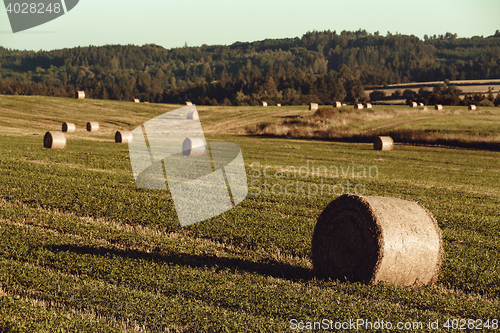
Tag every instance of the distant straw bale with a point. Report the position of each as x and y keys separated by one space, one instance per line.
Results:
x=194 y=147
x=92 y=126
x=54 y=140
x=68 y=127
x=123 y=137
x=313 y=106
x=383 y=143
x=193 y=115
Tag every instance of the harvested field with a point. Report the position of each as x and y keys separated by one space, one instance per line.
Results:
x=85 y=250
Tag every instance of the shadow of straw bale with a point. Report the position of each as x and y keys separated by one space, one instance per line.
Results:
x=271 y=268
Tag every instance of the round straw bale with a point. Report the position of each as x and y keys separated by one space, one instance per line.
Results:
x=472 y=107
x=80 y=94
x=54 y=140
x=438 y=107
x=136 y=100
x=383 y=143
x=92 y=126
x=193 y=115
x=264 y=103
x=358 y=106
x=313 y=106
x=189 y=103
x=368 y=105
x=337 y=104
x=279 y=104
x=413 y=104
x=123 y=137
x=194 y=147
x=68 y=127
x=370 y=239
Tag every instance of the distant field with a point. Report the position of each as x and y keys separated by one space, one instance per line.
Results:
x=467 y=86
x=453 y=126
x=83 y=249
x=39 y=114
x=465 y=89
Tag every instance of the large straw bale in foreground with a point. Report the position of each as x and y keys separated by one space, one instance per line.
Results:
x=383 y=143
x=371 y=239
x=54 y=140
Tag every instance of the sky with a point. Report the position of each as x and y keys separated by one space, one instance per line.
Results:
x=195 y=22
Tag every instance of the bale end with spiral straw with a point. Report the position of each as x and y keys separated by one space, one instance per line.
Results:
x=371 y=239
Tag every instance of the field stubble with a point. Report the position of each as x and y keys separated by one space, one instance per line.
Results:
x=84 y=250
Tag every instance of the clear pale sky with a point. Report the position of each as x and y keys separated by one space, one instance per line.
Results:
x=173 y=23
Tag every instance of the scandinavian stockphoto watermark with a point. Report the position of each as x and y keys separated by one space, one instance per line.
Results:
x=24 y=15
x=203 y=181
x=310 y=179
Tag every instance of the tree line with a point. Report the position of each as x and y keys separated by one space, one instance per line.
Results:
x=318 y=67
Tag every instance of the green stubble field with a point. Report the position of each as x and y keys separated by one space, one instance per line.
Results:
x=83 y=249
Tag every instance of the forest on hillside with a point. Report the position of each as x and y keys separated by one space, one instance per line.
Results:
x=318 y=67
